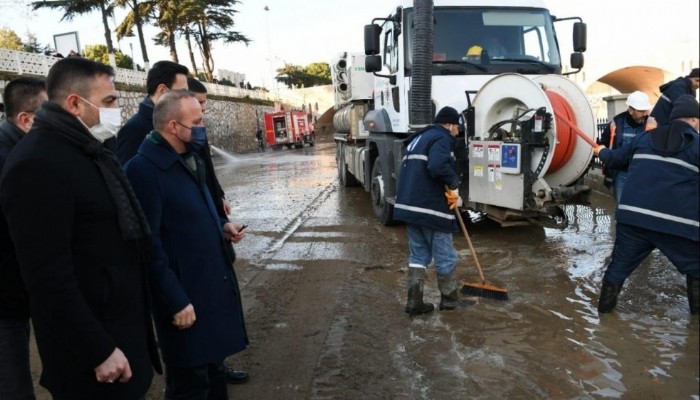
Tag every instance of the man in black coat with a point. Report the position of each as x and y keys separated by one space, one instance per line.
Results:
x=22 y=97
x=82 y=242
x=163 y=76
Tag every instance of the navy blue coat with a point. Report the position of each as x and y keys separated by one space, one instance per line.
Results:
x=131 y=135
x=626 y=129
x=428 y=165
x=670 y=91
x=191 y=264
x=661 y=193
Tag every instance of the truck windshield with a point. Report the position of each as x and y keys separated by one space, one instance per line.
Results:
x=498 y=40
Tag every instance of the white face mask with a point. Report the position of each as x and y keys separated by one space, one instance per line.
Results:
x=110 y=122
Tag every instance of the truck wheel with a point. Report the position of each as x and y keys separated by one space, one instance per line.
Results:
x=345 y=178
x=299 y=145
x=383 y=210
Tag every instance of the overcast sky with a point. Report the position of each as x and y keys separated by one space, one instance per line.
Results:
x=302 y=32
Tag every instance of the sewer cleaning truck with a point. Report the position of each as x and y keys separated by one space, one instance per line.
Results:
x=527 y=128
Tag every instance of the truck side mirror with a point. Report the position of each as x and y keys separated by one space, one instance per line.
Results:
x=579 y=37
x=373 y=63
x=372 y=33
x=576 y=60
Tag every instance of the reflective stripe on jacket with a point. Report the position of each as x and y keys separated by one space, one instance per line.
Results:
x=426 y=168
x=662 y=191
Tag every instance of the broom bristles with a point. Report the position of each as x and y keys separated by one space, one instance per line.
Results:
x=484 y=290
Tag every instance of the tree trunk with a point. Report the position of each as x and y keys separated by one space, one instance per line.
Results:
x=189 y=48
x=171 y=42
x=108 y=35
x=207 y=61
x=139 y=28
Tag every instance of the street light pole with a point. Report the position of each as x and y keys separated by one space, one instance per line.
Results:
x=269 y=52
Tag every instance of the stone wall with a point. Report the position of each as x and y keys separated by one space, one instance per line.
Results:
x=231 y=123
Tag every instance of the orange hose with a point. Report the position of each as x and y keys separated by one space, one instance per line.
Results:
x=566 y=137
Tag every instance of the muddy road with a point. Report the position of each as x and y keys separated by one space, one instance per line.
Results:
x=324 y=289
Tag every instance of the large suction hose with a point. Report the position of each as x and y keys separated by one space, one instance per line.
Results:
x=421 y=110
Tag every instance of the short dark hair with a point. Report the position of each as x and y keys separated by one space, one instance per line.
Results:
x=195 y=85
x=22 y=95
x=74 y=75
x=163 y=72
x=168 y=107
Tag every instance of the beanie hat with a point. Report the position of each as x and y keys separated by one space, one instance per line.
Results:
x=685 y=106
x=447 y=115
x=694 y=73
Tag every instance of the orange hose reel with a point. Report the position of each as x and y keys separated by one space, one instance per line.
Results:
x=565 y=134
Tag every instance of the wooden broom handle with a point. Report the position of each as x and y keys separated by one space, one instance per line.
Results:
x=469 y=242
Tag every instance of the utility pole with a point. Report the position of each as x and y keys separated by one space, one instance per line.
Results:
x=269 y=54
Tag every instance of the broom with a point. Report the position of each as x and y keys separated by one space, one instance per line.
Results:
x=482 y=289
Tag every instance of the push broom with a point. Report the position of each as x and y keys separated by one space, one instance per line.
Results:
x=481 y=289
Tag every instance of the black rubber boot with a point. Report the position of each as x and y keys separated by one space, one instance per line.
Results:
x=449 y=299
x=414 y=304
x=693 y=286
x=608 y=297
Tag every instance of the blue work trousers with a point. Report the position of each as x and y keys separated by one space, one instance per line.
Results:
x=633 y=245
x=15 y=375
x=427 y=244
x=619 y=184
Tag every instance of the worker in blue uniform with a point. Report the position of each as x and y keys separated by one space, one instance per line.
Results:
x=622 y=130
x=427 y=169
x=659 y=207
x=670 y=91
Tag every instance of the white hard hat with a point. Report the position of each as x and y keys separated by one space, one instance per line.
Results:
x=639 y=101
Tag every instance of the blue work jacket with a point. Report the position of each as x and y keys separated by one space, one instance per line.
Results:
x=427 y=167
x=661 y=193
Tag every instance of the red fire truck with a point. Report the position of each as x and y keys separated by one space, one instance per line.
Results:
x=288 y=128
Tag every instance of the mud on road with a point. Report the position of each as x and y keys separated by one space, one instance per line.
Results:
x=323 y=288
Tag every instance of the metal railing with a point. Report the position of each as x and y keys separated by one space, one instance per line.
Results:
x=24 y=63
x=600 y=127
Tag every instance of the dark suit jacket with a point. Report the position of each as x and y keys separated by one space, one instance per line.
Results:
x=88 y=293
x=14 y=303
x=131 y=135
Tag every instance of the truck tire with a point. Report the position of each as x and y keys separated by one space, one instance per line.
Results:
x=345 y=178
x=383 y=210
x=299 y=145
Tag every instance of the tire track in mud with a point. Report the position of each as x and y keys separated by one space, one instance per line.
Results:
x=289 y=229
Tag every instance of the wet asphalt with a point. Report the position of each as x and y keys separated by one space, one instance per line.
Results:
x=546 y=342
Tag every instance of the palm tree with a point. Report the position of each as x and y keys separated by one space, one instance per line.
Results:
x=213 y=22
x=171 y=16
x=138 y=16
x=71 y=8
